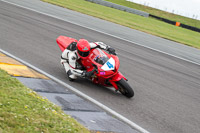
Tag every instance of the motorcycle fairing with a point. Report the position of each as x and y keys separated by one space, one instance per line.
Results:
x=63 y=42
x=116 y=78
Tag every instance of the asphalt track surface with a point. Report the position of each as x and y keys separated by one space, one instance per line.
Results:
x=167 y=89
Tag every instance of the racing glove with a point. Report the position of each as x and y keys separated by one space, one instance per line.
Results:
x=88 y=74
x=111 y=51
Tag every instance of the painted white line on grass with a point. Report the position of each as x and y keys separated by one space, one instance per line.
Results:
x=104 y=33
x=112 y=112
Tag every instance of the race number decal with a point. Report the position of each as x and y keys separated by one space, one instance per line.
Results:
x=110 y=65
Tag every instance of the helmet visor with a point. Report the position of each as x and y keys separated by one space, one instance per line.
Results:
x=83 y=54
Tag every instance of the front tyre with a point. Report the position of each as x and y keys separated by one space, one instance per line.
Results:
x=124 y=88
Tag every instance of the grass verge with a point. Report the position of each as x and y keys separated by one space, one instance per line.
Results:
x=148 y=25
x=23 y=110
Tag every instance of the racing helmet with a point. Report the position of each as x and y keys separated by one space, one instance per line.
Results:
x=83 y=48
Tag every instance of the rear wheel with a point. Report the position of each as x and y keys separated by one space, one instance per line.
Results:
x=124 y=88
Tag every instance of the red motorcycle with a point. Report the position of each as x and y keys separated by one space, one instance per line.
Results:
x=106 y=66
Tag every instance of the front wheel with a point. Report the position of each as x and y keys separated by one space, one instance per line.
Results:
x=124 y=88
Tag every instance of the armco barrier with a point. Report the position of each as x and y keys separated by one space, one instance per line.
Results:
x=120 y=7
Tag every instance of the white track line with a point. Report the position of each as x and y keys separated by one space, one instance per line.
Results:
x=112 y=112
x=103 y=33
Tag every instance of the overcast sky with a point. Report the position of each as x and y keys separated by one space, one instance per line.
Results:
x=188 y=8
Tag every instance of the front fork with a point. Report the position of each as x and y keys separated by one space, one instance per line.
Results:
x=116 y=78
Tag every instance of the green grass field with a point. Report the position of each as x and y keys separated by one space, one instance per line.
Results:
x=148 y=25
x=23 y=110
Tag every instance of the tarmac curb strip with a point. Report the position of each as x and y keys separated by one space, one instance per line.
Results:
x=15 y=68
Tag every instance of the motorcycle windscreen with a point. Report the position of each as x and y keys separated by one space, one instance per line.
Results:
x=101 y=57
x=109 y=65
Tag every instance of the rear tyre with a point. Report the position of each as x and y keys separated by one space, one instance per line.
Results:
x=124 y=88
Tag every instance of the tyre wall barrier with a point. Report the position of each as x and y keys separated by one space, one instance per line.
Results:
x=120 y=7
x=176 y=23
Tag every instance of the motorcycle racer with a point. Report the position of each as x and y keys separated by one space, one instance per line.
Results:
x=80 y=51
